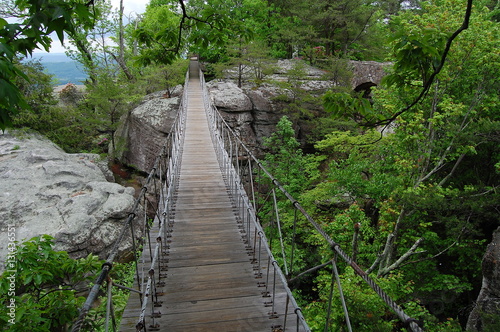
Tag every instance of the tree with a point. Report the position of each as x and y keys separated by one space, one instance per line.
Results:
x=426 y=197
x=47 y=286
x=93 y=49
x=120 y=58
x=160 y=34
x=38 y=19
x=341 y=28
x=250 y=60
x=107 y=102
x=163 y=77
x=286 y=161
x=90 y=42
x=37 y=87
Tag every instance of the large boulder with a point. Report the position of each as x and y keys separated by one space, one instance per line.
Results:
x=486 y=314
x=144 y=130
x=252 y=111
x=228 y=96
x=236 y=108
x=268 y=108
x=47 y=191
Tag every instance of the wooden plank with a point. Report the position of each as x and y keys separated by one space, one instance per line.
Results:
x=210 y=281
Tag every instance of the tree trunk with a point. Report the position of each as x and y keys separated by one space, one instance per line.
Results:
x=121 y=56
x=88 y=60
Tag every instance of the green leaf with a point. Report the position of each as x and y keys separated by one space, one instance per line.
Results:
x=28 y=279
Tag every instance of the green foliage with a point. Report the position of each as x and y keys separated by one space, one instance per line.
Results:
x=295 y=171
x=298 y=103
x=158 y=34
x=37 y=20
x=162 y=77
x=88 y=41
x=352 y=106
x=250 y=61
x=48 y=284
x=423 y=201
x=418 y=41
x=62 y=124
x=70 y=94
x=107 y=102
x=366 y=310
x=337 y=70
x=286 y=161
x=50 y=287
x=123 y=274
x=417 y=48
x=36 y=86
x=342 y=28
x=224 y=26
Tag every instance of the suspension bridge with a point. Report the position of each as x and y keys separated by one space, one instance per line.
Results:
x=206 y=264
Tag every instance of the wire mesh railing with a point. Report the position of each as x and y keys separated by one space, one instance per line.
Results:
x=254 y=235
x=150 y=220
x=251 y=187
x=153 y=279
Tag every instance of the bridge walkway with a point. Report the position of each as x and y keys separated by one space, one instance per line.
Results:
x=211 y=283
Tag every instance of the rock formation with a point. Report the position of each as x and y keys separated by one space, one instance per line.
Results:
x=47 y=191
x=252 y=111
x=486 y=314
x=367 y=73
x=144 y=130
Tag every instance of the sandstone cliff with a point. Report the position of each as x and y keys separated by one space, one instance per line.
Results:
x=47 y=191
x=485 y=315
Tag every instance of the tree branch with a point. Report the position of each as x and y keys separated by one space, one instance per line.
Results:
x=438 y=254
x=291 y=281
x=401 y=259
x=374 y=265
x=437 y=70
x=449 y=175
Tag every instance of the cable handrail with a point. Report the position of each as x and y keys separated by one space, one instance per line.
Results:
x=162 y=179
x=158 y=194
x=219 y=128
x=245 y=207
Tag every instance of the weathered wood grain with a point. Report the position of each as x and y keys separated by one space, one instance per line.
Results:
x=211 y=283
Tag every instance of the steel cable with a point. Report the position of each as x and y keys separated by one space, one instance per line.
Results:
x=176 y=129
x=333 y=245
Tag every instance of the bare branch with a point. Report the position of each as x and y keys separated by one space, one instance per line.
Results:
x=401 y=259
x=374 y=265
x=291 y=281
x=436 y=255
x=449 y=175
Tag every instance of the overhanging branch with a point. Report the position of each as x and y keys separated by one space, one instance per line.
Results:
x=432 y=77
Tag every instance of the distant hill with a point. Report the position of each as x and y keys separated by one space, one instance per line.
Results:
x=64 y=69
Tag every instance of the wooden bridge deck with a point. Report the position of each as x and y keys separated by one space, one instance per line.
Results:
x=210 y=284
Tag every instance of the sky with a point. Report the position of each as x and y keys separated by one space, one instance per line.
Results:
x=138 y=6
x=130 y=6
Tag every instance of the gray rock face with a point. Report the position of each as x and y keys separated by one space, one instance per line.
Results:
x=229 y=97
x=252 y=111
x=145 y=129
x=368 y=72
x=486 y=314
x=47 y=191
